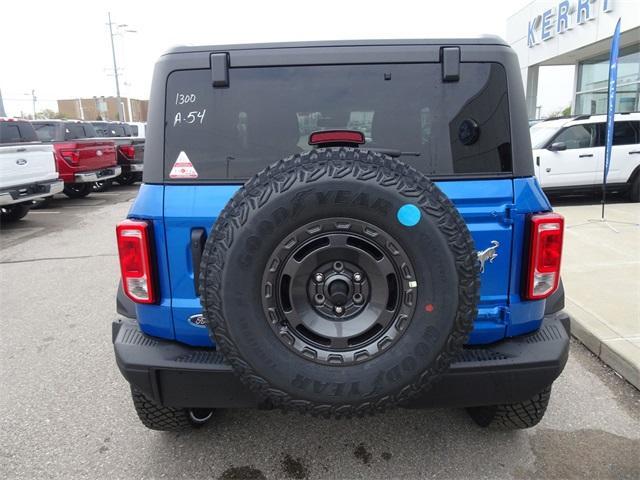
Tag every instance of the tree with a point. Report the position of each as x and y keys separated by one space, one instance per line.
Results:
x=48 y=113
x=565 y=112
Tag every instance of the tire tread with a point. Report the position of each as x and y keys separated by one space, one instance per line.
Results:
x=511 y=416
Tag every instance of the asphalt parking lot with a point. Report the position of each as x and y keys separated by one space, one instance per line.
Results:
x=65 y=411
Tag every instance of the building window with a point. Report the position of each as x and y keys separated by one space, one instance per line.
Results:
x=593 y=78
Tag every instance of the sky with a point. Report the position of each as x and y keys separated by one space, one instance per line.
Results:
x=62 y=49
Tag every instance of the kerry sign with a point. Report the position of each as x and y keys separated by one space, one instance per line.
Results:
x=564 y=16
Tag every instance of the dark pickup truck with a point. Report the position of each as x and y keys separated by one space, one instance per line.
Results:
x=130 y=150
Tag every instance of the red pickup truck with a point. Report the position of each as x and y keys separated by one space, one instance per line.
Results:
x=82 y=159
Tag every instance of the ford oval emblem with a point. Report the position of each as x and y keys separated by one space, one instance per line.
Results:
x=198 y=320
x=21 y=161
x=99 y=153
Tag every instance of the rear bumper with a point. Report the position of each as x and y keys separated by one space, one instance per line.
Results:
x=33 y=191
x=97 y=175
x=509 y=371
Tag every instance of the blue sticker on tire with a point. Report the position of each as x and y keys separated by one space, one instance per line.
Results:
x=409 y=215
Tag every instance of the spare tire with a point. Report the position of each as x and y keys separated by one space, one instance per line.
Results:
x=339 y=282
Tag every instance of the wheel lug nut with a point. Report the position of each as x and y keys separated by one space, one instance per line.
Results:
x=319 y=277
x=357 y=277
x=339 y=310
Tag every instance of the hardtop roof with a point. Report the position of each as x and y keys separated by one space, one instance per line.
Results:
x=472 y=40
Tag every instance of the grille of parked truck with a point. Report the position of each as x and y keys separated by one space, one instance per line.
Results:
x=340 y=228
x=27 y=169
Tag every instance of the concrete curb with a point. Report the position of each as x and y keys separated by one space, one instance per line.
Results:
x=620 y=353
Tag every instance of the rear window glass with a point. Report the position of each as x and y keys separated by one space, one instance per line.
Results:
x=102 y=128
x=268 y=113
x=134 y=130
x=46 y=131
x=73 y=131
x=17 y=132
x=116 y=130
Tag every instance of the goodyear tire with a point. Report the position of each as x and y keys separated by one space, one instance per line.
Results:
x=339 y=282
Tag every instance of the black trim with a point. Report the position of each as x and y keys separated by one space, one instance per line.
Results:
x=450 y=59
x=587 y=189
x=124 y=305
x=28 y=189
x=220 y=70
x=198 y=238
x=509 y=371
x=435 y=177
x=555 y=302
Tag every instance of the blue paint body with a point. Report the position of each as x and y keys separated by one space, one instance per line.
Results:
x=492 y=209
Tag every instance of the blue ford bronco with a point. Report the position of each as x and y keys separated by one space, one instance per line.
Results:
x=340 y=228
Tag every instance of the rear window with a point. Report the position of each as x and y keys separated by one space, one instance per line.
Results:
x=116 y=130
x=134 y=130
x=265 y=114
x=17 y=132
x=102 y=129
x=46 y=131
x=73 y=131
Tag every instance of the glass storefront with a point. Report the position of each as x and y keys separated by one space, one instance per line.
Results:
x=593 y=77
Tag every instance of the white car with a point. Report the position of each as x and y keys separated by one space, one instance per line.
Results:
x=27 y=169
x=568 y=154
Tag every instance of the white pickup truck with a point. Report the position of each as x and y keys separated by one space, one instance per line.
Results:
x=569 y=154
x=27 y=169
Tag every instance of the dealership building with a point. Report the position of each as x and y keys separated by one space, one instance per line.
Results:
x=578 y=33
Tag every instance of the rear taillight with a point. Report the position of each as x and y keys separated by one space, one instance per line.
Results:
x=135 y=260
x=545 y=255
x=128 y=151
x=71 y=156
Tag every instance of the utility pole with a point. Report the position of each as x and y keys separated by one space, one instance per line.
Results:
x=34 y=99
x=2 y=112
x=115 y=71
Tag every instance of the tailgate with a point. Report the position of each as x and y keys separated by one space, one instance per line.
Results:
x=96 y=154
x=485 y=206
x=25 y=164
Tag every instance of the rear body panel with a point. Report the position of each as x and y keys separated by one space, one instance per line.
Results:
x=495 y=210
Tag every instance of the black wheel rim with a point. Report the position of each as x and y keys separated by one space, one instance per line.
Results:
x=339 y=291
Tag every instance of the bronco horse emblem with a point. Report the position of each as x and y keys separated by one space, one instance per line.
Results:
x=488 y=254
